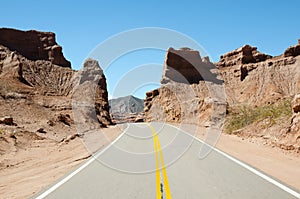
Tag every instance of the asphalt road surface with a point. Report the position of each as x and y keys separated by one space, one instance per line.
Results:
x=160 y=161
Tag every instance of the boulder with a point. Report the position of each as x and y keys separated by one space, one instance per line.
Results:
x=137 y=120
x=7 y=120
x=41 y=130
x=65 y=119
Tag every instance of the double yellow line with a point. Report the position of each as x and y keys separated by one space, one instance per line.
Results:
x=160 y=159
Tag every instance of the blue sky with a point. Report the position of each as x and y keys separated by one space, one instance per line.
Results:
x=219 y=26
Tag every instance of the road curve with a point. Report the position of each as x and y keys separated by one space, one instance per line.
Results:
x=161 y=161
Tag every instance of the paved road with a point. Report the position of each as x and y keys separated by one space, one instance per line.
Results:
x=159 y=161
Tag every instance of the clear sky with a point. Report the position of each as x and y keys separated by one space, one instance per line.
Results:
x=219 y=26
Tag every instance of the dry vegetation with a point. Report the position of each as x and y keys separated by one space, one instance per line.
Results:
x=242 y=116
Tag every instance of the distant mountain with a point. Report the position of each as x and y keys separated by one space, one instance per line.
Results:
x=126 y=105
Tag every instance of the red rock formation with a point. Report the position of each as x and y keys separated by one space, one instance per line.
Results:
x=180 y=65
x=90 y=89
x=266 y=81
x=186 y=66
x=251 y=79
x=188 y=91
x=45 y=77
x=243 y=55
x=259 y=82
x=293 y=50
x=48 y=86
x=34 y=45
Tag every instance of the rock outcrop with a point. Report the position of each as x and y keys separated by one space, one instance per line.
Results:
x=90 y=97
x=264 y=80
x=186 y=66
x=243 y=55
x=34 y=45
x=7 y=120
x=38 y=94
x=182 y=62
x=44 y=76
x=293 y=50
x=190 y=92
x=269 y=80
x=46 y=79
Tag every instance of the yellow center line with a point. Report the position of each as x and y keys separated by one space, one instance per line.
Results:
x=158 y=192
x=166 y=183
x=158 y=153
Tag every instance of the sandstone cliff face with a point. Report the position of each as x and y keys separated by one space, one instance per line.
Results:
x=53 y=86
x=190 y=92
x=182 y=69
x=243 y=55
x=38 y=94
x=261 y=81
x=34 y=45
x=45 y=77
x=186 y=66
x=293 y=50
x=90 y=97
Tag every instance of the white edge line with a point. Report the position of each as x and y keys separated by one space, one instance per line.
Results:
x=94 y=157
x=265 y=177
x=260 y=174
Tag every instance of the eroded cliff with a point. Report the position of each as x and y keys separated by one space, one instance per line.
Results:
x=37 y=92
x=34 y=45
x=258 y=97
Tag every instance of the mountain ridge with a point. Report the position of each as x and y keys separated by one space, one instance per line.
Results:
x=127 y=108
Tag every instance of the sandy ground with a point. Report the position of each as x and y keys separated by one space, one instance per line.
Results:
x=34 y=169
x=31 y=170
x=280 y=164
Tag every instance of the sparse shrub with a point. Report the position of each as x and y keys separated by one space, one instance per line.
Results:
x=243 y=116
